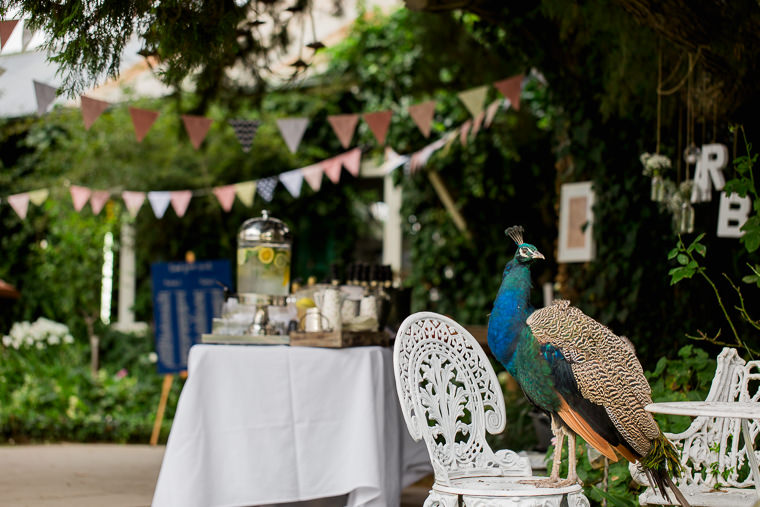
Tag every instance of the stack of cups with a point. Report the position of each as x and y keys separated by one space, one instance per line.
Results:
x=329 y=304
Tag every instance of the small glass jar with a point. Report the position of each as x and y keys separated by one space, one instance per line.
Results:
x=263 y=257
x=658 y=189
x=686 y=218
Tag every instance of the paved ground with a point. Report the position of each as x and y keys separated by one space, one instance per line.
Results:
x=78 y=475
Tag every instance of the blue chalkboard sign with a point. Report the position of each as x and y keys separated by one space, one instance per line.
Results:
x=186 y=296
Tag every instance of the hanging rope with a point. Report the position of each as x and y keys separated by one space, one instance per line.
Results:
x=659 y=98
x=692 y=64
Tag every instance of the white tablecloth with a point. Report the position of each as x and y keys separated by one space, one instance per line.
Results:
x=269 y=424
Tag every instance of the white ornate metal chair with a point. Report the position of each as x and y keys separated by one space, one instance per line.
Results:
x=713 y=453
x=450 y=397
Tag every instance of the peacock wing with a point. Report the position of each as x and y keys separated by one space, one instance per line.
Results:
x=604 y=367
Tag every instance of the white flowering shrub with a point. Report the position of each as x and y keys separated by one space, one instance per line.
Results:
x=40 y=334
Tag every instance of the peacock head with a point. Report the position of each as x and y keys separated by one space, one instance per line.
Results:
x=526 y=253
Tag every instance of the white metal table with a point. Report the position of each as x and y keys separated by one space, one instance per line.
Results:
x=729 y=409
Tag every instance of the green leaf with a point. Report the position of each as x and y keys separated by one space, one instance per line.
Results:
x=615 y=500
x=672 y=254
x=695 y=242
x=750 y=279
x=751 y=240
x=701 y=249
x=678 y=274
x=683 y=259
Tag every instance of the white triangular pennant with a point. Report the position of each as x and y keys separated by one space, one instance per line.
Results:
x=265 y=187
x=313 y=176
x=292 y=130
x=159 y=201
x=292 y=180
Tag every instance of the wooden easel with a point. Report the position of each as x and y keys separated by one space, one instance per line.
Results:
x=165 y=388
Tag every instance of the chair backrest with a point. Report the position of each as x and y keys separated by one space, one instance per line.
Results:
x=450 y=397
x=712 y=450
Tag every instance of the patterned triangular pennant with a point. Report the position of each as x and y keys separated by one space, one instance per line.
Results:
x=378 y=123
x=197 y=128
x=292 y=180
x=142 y=120
x=133 y=201
x=180 y=200
x=45 y=96
x=226 y=196
x=491 y=111
x=292 y=131
x=344 y=126
x=352 y=161
x=245 y=191
x=422 y=114
x=19 y=203
x=159 y=201
x=332 y=167
x=98 y=199
x=91 y=110
x=6 y=29
x=79 y=196
x=511 y=88
x=313 y=176
x=37 y=197
x=266 y=186
x=474 y=98
x=245 y=130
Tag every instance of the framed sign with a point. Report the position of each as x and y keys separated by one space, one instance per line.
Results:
x=576 y=220
x=186 y=296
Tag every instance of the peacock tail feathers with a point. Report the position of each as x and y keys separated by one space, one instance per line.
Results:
x=662 y=456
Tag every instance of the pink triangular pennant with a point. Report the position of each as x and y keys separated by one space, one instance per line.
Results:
x=45 y=95
x=197 y=128
x=91 y=110
x=352 y=160
x=98 y=199
x=19 y=203
x=133 y=201
x=477 y=122
x=79 y=196
x=344 y=126
x=511 y=88
x=292 y=180
x=493 y=108
x=180 y=199
x=226 y=196
x=378 y=123
x=463 y=131
x=332 y=167
x=313 y=176
x=142 y=120
x=6 y=29
x=422 y=114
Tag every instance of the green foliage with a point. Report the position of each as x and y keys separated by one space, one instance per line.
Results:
x=746 y=337
x=47 y=393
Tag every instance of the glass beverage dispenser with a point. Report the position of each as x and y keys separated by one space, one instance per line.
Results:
x=263 y=258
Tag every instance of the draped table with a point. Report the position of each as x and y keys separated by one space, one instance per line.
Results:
x=262 y=425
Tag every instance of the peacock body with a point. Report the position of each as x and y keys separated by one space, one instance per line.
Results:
x=583 y=375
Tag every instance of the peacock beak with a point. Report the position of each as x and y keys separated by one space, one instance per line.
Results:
x=537 y=255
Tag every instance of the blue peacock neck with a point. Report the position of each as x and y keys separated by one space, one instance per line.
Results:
x=510 y=312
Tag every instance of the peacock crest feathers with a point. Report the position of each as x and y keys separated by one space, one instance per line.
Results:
x=516 y=233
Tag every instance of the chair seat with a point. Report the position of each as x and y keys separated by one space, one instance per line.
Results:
x=728 y=497
x=502 y=487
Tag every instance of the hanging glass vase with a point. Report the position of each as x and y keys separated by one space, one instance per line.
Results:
x=686 y=218
x=658 y=188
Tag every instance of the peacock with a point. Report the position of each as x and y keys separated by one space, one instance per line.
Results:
x=583 y=375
